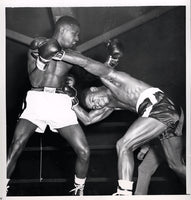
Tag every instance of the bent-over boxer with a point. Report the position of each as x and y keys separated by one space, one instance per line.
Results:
x=158 y=116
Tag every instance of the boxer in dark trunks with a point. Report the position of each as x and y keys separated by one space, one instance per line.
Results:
x=152 y=156
x=47 y=101
x=158 y=116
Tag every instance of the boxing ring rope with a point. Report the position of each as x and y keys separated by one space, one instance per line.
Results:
x=26 y=40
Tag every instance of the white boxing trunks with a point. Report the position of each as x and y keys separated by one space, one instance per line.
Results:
x=46 y=108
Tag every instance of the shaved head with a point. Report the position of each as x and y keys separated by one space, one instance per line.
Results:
x=95 y=97
x=66 y=21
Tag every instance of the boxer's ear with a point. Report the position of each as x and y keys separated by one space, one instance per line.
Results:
x=93 y=89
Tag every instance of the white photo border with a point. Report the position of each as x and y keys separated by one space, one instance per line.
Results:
x=86 y=3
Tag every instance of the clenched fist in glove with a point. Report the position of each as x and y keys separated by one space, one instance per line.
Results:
x=71 y=91
x=46 y=49
x=115 y=52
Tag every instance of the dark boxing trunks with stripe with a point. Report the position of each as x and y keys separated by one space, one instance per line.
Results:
x=160 y=107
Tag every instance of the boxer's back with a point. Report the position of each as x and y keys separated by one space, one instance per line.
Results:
x=125 y=88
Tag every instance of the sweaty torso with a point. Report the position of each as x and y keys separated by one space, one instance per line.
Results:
x=54 y=75
x=125 y=89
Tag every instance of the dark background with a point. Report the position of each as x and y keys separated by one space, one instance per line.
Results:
x=154 y=52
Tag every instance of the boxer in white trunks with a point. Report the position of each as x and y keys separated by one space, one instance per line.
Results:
x=47 y=103
x=158 y=116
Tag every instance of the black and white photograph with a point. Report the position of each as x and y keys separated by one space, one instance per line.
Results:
x=95 y=100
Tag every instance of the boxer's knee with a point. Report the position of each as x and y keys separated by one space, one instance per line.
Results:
x=84 y=153
x=122 y=146
x=119 y=145
x=17 y=144
x=15 y=150
x=178 y=168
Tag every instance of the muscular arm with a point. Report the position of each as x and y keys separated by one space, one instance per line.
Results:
x=109 y=76
x=32 y=62
x=92 y=66
x=93 y=116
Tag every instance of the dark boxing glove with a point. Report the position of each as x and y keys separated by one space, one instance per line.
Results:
x=71 y=91
x=70 y=80
x=46 y=52
x=114 y=48
x=35 y=44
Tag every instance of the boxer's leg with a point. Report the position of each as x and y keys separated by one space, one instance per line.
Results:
x=140 y=132
x=173 y=148
x=23 y=131
x=145 y=171
x=76 y=138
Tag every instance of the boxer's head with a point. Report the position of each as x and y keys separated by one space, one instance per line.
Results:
x=96 y=97
x=67 y=31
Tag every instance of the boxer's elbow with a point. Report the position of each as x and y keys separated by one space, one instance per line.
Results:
x=87 y=122
x=90 y=120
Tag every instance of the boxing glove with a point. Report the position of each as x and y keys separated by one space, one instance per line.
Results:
x=114 y=48
x=35 y=44
x=46 y=51
x=70 y=91
x=70 y=80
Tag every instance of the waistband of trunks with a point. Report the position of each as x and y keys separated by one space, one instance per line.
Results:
x=148 y=93
x=49 y=90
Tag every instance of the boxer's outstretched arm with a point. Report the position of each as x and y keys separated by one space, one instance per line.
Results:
x=93 y=116
x=90 y=65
